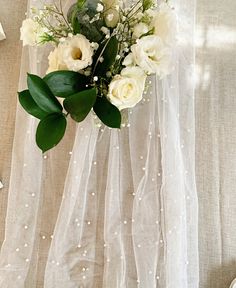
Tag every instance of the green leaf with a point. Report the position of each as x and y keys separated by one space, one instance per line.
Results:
x=42 y=94
x=109 y=53
x=65 y=83
x=75 y=21
x=107 y=112
x=80 y=3
x=28 y=103
x=79 y=16
x=50 y=131
x=80 y=104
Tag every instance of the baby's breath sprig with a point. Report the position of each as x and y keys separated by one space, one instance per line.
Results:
x=52 y=23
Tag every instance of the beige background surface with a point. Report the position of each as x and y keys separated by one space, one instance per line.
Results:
x=216 y=129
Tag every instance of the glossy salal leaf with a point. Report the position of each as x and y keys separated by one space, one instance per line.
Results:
x=30 y=106
x=108 y=53
x=80 y=104
x=65 y=83
x=50 y=131
x=107 y=112
x=42 y=94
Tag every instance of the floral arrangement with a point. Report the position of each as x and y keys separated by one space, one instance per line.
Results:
x=103 y=54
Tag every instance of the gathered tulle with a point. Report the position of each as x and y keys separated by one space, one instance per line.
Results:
x=108 y=208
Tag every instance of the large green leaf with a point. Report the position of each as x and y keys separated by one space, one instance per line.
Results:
x=79 y=16
x=28 y=103
x=42 y=94
x=108 y=53
x=50 y=131
x=107 y=112
x=80 y=104
x=65 y=83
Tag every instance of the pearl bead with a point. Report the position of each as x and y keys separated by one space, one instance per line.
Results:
x=17 y=249
x=26 y=227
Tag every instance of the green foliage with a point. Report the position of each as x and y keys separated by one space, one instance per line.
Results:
x=50 y=131
x=30 y=106
x=42 y=95
x=65 y=83
x=108 y=52
x=80 y=104
x=80 y=15
x=147 y=4
x=107 y=113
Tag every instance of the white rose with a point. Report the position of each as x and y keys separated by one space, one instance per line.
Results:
x=139 y=30
x=152 y=55
x=55 y=61
x=165 y=24
x=76 y=53
x=126 y=89
x=30 y=31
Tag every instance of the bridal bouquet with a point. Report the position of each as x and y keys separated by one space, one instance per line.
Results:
x=102 y=54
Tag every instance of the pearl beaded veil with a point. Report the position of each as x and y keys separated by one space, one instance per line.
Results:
x=108 y=208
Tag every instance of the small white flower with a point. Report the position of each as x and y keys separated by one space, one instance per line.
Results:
x=110 y=17
x=105 y=30
x=165 y=24
x=100 y=7
x=139 y=30
x=30 y=32
x=126 y=89
x=152 y=55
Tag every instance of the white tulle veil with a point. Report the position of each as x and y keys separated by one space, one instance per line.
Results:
x=108 y=208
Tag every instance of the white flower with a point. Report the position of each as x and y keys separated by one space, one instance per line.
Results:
x=76 y=53
x=99 y=7
x=30 y=32
x=73 y=53
x=126 y=89
x=129 y=60
x=165 y=24
x=152 y=55
x=139 y=30
x=55 y=61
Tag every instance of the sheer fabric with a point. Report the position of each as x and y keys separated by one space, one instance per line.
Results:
x=108 y=208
